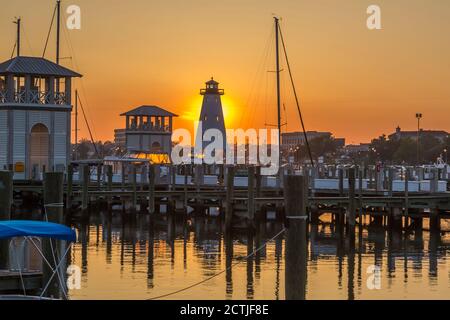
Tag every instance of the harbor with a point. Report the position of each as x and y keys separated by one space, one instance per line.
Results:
x=200 y=197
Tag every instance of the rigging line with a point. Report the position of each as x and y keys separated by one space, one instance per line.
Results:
x=74 y=62
x=223 y=271
x=254 y=81
x=254 y=94
x=14 y=49
x=28 y=40
x=49 y=32
x=89 y=128
x=19 y=269
x=296 y=98
x=60 y=276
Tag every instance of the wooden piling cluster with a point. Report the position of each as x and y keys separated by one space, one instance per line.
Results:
x=360 y=190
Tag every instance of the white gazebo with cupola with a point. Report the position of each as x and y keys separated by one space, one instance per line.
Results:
x=149 y=130
x=35 y=116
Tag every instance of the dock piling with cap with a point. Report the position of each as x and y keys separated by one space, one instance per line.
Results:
x=6 y=197
x=296 y=238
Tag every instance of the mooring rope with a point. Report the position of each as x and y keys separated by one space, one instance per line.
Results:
x=19 y=268
x=221 y=272
x=57 y=270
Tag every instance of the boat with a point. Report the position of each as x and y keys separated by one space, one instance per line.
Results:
x=29 y=230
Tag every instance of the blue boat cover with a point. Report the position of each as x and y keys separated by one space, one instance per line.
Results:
x=24 y=228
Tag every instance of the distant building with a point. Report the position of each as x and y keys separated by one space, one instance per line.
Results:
x=148 y=131
x=294 y=139
x=35 y=116
x=399 y=134
x=120 y=137
x=357 y=148
x=340 y=142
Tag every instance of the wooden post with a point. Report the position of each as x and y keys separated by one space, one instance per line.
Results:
x=258 y=185
x=54 y=196
x=198 y=177
x=123 y=175
x=229 y=196
x=99 y=176
x=341 y=182
x=435 y=220
x=391 y=182
x=6 y=194
x=185 y=186
x=144 y=176
x=251 y=194
x=69 y=186
x=407 y=173
x=54 y=209
x=296 y=238
x=376 y=179
x=6 y=197
x=85 y=187
x=109 y=186
x=351 y=217
x=360 y=189
x=434 y=181
x=134 y=188
x=174 y=177
x=151 y=189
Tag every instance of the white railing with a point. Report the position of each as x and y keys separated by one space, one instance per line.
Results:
x=60 y=98
x=2 y=96
x=39 y=97
x=20 y=97
x=34 y=97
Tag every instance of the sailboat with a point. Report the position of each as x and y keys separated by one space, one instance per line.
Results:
x=29 y=230
x=279 y=39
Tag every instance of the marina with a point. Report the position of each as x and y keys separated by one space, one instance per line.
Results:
x=220 y=213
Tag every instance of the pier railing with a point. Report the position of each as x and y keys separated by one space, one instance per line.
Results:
x=34 y=97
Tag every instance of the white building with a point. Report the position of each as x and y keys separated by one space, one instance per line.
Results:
x=149 y=130
x=35 y=116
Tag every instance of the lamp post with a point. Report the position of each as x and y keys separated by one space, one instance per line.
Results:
x=418 y=117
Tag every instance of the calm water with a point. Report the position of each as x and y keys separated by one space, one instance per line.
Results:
x=125 y=257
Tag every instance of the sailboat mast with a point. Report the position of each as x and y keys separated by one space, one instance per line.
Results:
x=58 y=28
x=277 y=57
x=76 y=125
x=18 y=21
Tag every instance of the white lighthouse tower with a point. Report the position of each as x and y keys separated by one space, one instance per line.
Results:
x=211 y=116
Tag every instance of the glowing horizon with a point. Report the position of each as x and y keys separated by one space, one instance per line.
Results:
x=353 y=82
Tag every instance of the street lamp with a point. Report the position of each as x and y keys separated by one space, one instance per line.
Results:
x=418 y=117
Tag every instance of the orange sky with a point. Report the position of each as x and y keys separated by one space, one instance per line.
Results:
x=354 y=82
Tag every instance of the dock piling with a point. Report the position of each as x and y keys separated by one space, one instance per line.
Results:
x=6 y=196
x=229 y=196
x=151 y=189
x=69 y=186
x=251 y=194
x=54 y=210
x=85 y=187
x=351 y=215
x=296 y=238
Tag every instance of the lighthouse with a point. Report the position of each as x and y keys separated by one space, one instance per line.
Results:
x=211 y=116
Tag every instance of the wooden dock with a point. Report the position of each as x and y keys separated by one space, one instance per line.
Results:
x=12 y=281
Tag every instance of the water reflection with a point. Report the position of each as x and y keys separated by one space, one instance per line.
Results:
x=125 y=256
